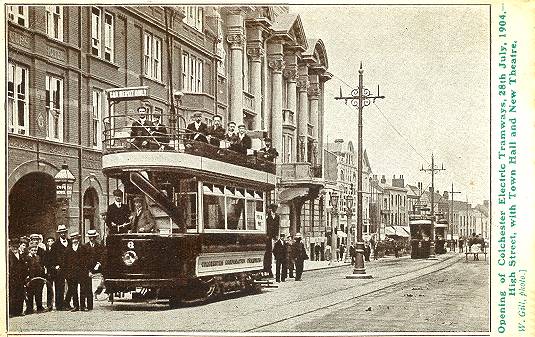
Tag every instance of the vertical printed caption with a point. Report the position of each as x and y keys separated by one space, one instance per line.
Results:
x=511 y=299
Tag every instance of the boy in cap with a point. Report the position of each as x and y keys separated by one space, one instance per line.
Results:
x=199 y=129
x=35 y=287
x=244 y=141
x=216 y=132
x=117 y=215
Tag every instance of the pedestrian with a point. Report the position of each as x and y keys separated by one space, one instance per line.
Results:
x=36 y=273
x=342 y=251
x=198 y=129
x=376 y=251
x=352 y=253
x=300 y=255
x=117 y=215
x=93 y=259
x=141 y=219
x=58 y=250
x=272 y=224
x=396 y=248
x=367 y=251
x=76 y=270
x=216 y=132
x=141 y=130
x=280 y=251
x=48 y=264
x=18 y=274
x=317 y=251
x=290 y=256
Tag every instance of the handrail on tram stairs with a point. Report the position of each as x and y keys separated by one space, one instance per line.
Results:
x=158 y=197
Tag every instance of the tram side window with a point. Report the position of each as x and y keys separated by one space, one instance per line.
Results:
x=213 y=207
x=189 y=209
x=235 y=208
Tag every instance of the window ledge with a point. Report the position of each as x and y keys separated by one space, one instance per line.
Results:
x=152 y=79
x=98 y=58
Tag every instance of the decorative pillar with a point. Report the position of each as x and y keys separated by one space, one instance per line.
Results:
x=235 y=38
x=276 y=64
x=302 y=126
x=291 y=75
x=256 y=52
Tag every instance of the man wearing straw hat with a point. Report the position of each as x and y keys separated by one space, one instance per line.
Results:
x=58 y=250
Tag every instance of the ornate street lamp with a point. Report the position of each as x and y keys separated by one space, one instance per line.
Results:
x=64 y=180
x=334 y=213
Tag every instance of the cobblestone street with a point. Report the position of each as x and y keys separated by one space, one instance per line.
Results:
x=447 y=294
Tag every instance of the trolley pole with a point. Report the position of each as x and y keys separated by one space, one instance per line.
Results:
x=360 y=97
x=432 y=169
x=452 y=192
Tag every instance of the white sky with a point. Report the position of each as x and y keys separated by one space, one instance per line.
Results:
x=432 y=64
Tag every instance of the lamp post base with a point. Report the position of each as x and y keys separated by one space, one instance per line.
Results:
x=359 y=272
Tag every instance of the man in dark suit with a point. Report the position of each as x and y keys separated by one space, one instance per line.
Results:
x=272 y=224
x=160 y=134
x=280 y=251
x=76 y=270
x=198 y=129
x=300 y=255
x=18 y=273
x=231 y=138
x=141 y=131
x=94 y=255
x=244 y=142
x=216 y=132
x=141 y=219
x=58 y=250
x=268 y=152
x=117 y=215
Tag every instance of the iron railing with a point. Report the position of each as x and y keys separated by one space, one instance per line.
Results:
x=123 y=133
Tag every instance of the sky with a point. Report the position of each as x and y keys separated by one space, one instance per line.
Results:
x=432 y=65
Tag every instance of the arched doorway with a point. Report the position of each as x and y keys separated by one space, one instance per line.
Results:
x=32 y=206
x=91 y=211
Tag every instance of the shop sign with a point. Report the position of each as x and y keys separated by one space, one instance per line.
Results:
x=63 y=190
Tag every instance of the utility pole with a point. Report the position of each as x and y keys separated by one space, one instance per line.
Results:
x=359 y=97
x=452 y=192
x=432 y=169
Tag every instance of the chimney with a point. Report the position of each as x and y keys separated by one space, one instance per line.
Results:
x=420 y=186
x=445 y=195
x=383 y=179
x=399 y=182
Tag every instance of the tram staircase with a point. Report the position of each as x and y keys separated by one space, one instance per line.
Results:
x=161 y=206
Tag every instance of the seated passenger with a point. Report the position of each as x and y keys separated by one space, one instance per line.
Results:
x=216 y=132
x=268 y=152
x=199 y=130
x=141 y=131
x=141 y=219
x=231 y=137
x=159 y=131
x=244 y=141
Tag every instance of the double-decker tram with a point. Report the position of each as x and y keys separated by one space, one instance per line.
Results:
x=197 y=228
x=440 y=236
x=421 y=227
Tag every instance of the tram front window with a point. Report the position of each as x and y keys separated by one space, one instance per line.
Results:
x=214 y=211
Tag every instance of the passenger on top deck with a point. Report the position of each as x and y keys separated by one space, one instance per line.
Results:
x=199 y=130
x=216 y=132
x=231 y=137
x=141 y=131
x=244 y=141
x=268 y=152
x=159 y=131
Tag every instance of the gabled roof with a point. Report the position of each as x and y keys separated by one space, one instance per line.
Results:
x=289 y=26
x=316 y=53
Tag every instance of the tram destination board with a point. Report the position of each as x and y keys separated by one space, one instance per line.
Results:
x=129 y=93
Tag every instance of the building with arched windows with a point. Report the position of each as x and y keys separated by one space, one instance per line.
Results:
x=249 y=64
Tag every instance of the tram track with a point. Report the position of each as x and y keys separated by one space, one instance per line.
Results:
x=441 y=265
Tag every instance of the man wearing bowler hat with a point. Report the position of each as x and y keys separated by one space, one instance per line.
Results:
x=76 y=270
x=58 y=251
x=300 y=256
x=117 y=215
x=94 y=254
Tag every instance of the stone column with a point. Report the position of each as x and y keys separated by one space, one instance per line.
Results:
x=291 y=75
x=313 y=95
x=302 y=114
x=276 y=64
x=255 y=52
x=235 y=38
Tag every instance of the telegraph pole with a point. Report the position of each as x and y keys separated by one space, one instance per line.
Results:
x=432 y=169
x=360 y=97
x=452 y=192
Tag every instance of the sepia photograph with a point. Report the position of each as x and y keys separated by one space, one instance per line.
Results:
x=251 y=168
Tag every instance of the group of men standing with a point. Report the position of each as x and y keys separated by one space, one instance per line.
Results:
x=65 y=261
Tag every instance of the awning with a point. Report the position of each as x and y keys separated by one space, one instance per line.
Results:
x=341 y=234
x=398 y=231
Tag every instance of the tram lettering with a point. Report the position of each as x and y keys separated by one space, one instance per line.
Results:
x=254 y=260
x=235 y=261
x=211 y=263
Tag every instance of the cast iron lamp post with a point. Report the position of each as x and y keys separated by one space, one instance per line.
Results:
x=64 y=180
x=349 y=214
x=334 y=213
